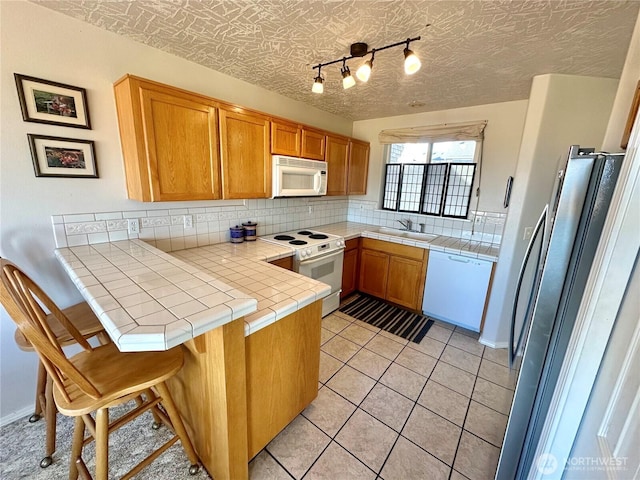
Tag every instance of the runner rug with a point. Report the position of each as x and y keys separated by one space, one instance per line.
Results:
x=388 y=317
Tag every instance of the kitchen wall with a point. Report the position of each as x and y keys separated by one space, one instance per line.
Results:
x=563 y=110
x=501 y=144
x=624 y=97
x=39 y=42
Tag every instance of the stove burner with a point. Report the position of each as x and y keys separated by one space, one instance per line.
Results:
x=283 y=237
x=318 y=236
x=305 y=232
x=298 y=242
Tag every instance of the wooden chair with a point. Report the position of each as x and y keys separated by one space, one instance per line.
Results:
x=96 y=379
x=85 y=321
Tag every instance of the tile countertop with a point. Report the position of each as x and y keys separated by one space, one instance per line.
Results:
x=460 y=246
x=151 y=300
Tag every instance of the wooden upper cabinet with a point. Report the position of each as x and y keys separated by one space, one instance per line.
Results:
x=286 y=138
x=337 y=157
x=358 y=167
x=169 y=142
x=297 y=141
x=313 y=144
x=245 y=154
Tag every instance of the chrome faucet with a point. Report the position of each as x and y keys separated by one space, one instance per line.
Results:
x=407 y=224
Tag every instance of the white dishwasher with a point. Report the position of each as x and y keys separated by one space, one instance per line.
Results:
x=456 y=289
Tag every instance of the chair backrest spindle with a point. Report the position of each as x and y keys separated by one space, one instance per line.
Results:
x=21 y=298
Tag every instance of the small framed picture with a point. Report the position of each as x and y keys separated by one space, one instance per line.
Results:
x=63 y=157
x=43 y=101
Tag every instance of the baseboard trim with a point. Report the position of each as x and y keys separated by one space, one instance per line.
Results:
x=18 y=414
x=493 y=344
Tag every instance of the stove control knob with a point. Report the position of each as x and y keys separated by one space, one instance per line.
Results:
x=303 y=254
x=308 y=251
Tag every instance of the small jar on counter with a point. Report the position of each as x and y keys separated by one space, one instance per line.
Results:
x=250 y=231
x=236 y=234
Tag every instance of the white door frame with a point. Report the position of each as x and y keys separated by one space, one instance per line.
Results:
x=603 y=295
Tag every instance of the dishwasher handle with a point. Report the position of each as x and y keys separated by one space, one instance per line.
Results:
x=459 y=259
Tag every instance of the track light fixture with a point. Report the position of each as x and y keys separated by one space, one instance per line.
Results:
x=347 y=79
x=318 y=83
x=411 y=64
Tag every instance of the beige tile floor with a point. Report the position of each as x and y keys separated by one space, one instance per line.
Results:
x=391 y=409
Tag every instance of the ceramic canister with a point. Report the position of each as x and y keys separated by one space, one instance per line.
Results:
x=250 y=231
x=236 y=234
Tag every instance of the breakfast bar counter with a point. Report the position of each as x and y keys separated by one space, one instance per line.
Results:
x=250 y=332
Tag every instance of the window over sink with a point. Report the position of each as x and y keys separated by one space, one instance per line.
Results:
x=431 y=170
x=430 y=178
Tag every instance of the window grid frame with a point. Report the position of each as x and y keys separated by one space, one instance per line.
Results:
x=421 y=194
x=442 y=191
x=468 y=197
x=445 y=186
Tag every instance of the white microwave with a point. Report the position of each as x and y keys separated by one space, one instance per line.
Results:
x=298 y=177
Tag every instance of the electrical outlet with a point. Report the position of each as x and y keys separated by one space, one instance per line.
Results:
x=133 y=225
x=310 y=209
x=188 y=221
x=528 y=231
x=479 y=220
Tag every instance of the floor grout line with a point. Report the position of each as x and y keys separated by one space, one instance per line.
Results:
x=414 y=403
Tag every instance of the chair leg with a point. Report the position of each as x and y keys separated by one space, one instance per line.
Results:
x=157 y=421
x=76 y=447
x=41 y=385
x=50 y=417
x=103 y=338
x=178 y=426
x=102 y=444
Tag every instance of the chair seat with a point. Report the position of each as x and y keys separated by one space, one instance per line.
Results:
x=82 y=318
x=116 y=374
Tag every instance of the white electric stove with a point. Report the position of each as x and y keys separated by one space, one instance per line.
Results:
x=317 y=255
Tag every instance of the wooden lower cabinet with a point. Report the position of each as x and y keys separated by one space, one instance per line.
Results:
x=286 y=263
x=393 y=272
x=403 y=285
x=210 y=393
x=236 y=393
x=350 y=267
x=374 y=270
x=283 y=365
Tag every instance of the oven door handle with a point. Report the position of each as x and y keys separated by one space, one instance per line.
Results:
x=313 y=260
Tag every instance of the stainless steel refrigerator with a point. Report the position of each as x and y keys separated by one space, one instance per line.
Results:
x=550 y=287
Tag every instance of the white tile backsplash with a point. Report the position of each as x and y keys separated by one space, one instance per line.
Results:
x=483 y=226
x=165 y=230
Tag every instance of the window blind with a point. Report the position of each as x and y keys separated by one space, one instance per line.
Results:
x=435 y=133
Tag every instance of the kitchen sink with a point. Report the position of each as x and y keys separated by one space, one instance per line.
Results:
x=425 y=237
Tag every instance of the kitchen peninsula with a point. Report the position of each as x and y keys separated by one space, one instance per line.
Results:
x=251 y=333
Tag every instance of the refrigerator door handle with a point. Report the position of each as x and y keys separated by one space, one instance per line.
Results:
x=513 y=346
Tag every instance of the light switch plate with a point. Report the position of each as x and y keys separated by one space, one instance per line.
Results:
x=188 y=221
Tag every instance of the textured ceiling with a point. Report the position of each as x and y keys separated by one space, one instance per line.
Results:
x=475 y=52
